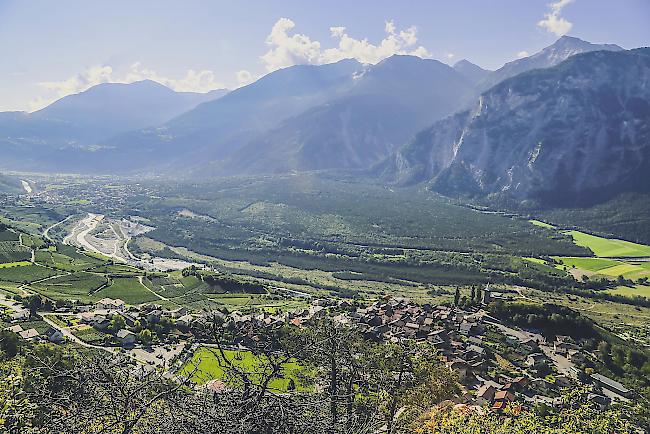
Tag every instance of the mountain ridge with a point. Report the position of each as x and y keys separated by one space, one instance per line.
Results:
x=560 y=134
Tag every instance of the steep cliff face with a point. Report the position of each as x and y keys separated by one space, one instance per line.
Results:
x=568 y=134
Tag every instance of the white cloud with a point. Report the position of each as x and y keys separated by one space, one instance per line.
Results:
x=244 y=77
x=80 y=82
x=193 y=81
x=291 y=49
x=450 y=56
x=553 y=22
x=522 y=54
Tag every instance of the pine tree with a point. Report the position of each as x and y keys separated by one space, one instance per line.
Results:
x=457 y=296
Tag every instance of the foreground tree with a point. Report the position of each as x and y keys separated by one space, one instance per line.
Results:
x=577 y=417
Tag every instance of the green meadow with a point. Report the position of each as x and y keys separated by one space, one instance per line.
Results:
x=589 y=264
x=542 y=224
x=128 y=289
x=209 y=367
x=607 y=267
x=609 y=248
x=631 y=291
x=15 y=264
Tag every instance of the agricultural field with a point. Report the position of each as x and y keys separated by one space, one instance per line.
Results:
x=27 y=274
x=542 y=224
x=193 y=293
x=66 y=321
x=610 y=268
x=589 y=264
x=14 y=264
x=11 y=250
x=118 y=270
x=6 y=235
x=89 y=335
x=609 y=248
x=31 y=241
x=66 y=258
x=80 y=286
x=631 y=291
x=208 y=362
x=128 y=289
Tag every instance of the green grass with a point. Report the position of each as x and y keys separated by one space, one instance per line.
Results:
x=40 y=326
x=631 y=291
x=63 y=320
x=621 y=270
x=77 y=286
x=607 y=248
x=15 y=264
x=209 y=367
x=589 y=264
x=118 y=270
x=28 y=273
x=128 y=289
x=90 y=335
x=9 y=236
x=535 y=261
x=66 y=258
x=32 y=241
x=13 y=251
x=607 y=267
x=541 y=224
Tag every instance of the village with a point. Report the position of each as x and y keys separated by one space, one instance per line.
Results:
x=498 y=365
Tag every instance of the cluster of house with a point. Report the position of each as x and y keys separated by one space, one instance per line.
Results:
x=31 y=334
x=105 y=310
x=459 y=337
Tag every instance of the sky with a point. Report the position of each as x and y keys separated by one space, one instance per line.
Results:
x=50 y=49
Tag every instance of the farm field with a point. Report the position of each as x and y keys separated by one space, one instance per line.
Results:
x=128 y=289
x=13 y=251
x=536 y=261
x=9 y=236
x=609 y=248
x=631 y=291
x=118 y=270
x=607 y=267
x=542 y=224
x=15 y=264
x=207 y=361
x=28 y=273
x=89 y=335
x=589 y=264
x=245 y=301
x=78 y=286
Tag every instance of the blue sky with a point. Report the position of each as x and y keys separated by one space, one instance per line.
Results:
x=53 y=48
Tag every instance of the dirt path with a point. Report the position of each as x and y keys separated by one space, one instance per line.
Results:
x=140 y=279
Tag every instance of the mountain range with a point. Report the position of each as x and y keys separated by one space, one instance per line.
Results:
x=536 y=127
x=574 y=133
x=81 y=121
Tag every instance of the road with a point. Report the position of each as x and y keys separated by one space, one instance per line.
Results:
x=70 y=336
x=46 y=232
x=91 y=222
